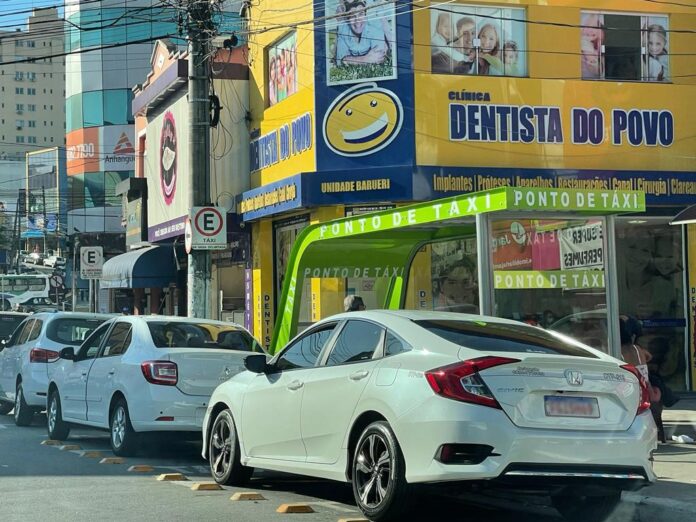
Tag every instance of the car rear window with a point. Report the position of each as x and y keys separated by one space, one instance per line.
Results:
x=179 y=334
x=8 y=324
x=502 y=337
x=71 y=330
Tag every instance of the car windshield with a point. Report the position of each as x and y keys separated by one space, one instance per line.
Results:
x=502 y=337
x=8 y=324
x=179 y=334
x=71 y=330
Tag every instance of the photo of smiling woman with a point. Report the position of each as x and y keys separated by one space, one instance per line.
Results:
x=360 y=41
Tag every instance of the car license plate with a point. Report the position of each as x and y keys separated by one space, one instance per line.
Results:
x=560 y=406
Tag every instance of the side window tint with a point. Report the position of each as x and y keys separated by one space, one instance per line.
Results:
x=36 y=330
x=18 y=333
x=356 y=342
x=118 y=340
x=90 y=347
x=394 y=345
x=305 y=351
x=24 y=335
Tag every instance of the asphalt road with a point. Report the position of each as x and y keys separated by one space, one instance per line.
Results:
x=39 y=482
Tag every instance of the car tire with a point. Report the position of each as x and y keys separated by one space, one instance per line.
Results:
x=224 y=453
x=581 y=508
x=123 y=439
x=379 y=474
x=23 y=413
x=58 y=429
x=6 y=407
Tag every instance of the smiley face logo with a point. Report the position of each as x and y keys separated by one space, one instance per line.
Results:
x=362 y=120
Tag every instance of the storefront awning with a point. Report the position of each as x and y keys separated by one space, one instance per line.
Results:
x=149 y=267
x=685 y=217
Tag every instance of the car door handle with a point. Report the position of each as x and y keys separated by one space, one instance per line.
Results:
x=360 y=374
x=112 y=371
x=84 y=374
x=295 y=385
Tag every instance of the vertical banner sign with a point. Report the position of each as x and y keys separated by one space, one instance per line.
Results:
x=691 y=242
x=582 y=247
x=248 y=300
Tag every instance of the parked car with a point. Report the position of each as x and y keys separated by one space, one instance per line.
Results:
x=35 y=304
x=391 y=399
x=54 y=261
x=138 y=374
x=35 y=258
x=28 y=358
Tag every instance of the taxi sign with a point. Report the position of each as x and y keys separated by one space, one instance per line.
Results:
x=209 y=228
x=91 y=262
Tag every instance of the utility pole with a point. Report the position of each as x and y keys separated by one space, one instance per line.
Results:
x=199 y=28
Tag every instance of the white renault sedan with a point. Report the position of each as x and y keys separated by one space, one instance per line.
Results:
x=139 y=374
x=389 y=399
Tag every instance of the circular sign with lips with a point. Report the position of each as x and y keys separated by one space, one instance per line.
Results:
x=362 y=120
x=168 y=159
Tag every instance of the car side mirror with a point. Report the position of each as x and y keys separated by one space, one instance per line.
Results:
x=2 y=344
x=68 y=353
x=256 y=363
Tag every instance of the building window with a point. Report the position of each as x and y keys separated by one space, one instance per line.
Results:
x=31 y=139
x=31 y=107
x=20 y=107
x=31 y=91
x=19 y=43
x=19 y=76
x=19 y=124
x=31 y=123
x=51 y=139
x=19 y=139
x=281 y=58
x=468 y=39
x=31 y=43
x=19 y=90
x=31 y=76
x=624 y=47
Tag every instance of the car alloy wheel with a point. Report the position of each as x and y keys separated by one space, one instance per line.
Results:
x=221 y=447
x=57 y=428
x=224 y=453
x=52 y=414
x=23 y=414
x=118 y=428
x=379 y=475
x=373 y=470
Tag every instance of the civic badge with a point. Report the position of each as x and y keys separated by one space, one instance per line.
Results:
x=574 y=377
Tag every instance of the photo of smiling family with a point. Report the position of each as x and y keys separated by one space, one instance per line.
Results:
x=480 y=41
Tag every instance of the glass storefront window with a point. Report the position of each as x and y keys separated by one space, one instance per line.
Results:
x=284 y=235
x=550 y=273
x=651 y=288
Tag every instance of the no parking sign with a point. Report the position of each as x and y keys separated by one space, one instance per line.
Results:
x=209 y=229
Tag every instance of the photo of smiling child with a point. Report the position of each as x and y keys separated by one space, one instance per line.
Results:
x=657 y=66
x=282 y=69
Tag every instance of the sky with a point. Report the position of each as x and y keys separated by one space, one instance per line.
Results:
x=14 y=13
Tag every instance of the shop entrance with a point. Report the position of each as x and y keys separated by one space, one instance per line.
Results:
x=544 y=256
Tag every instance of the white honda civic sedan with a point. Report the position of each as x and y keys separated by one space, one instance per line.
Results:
x=390 y=399
x=138 y=374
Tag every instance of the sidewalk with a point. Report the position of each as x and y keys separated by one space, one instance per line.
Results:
x=673 y=496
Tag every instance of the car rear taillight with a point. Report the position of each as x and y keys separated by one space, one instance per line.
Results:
x=41 y=355
x=644 y=401
x=461 y=381
x=160 y=372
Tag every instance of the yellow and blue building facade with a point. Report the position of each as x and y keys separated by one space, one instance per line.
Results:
x=364 y=105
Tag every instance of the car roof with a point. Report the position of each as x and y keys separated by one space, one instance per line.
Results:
x=419 y=315
x=174 y=319
x=72 y=315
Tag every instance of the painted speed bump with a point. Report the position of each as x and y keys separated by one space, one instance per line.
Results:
x=295 y=508
x=247 y=495
x=91 y=454
x=69 y=447
x=111 y=460
x=206 y=486
x=141 y=468
x=171 y=477
x=50 y=442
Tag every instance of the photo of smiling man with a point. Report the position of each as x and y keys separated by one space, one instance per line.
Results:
x=360 y=41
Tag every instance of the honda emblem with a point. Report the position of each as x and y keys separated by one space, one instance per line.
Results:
x=574 y=377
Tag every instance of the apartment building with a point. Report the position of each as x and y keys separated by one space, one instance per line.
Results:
x=32 y=93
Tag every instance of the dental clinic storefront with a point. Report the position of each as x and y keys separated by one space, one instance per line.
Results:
x=335 y=140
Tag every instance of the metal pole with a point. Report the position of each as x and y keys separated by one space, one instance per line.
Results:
x=199 y=22
x=76 y=250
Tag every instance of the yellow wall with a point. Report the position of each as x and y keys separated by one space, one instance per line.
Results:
x=276 y=15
